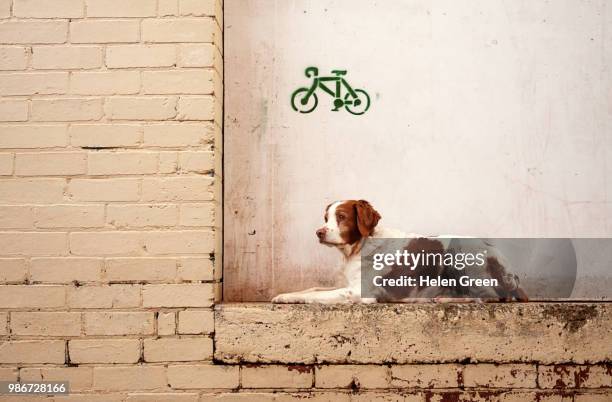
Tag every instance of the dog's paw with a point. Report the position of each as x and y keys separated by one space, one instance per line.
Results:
x=286 y=298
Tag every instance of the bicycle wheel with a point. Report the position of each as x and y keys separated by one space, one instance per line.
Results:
x=362 y=100
x=302 y=105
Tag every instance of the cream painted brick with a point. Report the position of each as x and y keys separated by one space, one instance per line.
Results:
x=66 y=57
x=6 y=169
x=273 y=376
x=196 y=108
x=178 y=135
x=32 y=31
x=13 y=58
x=12 y=270
x=195 y=269
x=196 y=322
x=563 y=376
x=197 y=8
x=167 y=8
x=52 y=352
x=187 y=188
x=4 y=330
x=66 y=109
x=140 y=56
x=425 y=376
x=141 y=377
x=198 y=55
x=80 y=378
x=348 y=376
x=163 y=397
x=105 y=243
x=13 y=110
x=34 y=83
x=179 y=242
x=203 y=376
x=104 y=189
x=9 y=373
x=33 y=136
x=73 y=216
x=119 y=163
x=29 y=296
x=33 y=243
x=168 y=162
x=65 y=270
x=89 y=397
x=140 y=269
x=141 y=108
x=166 y=323
x=16 y=216
x=196 y=161
x=46 y=323
x=104 y=31
x=5 y=8
x=104 y=350
x=105 y=135
x=119 y=323
x=178 y=30
x=32 y=190
x=500 y=376
x=178 y=349
x=113 y=296
x=142 y=215
x=178 y=295
x=197 y=214
x=105 y=83
x=50 y=163
x=41 y=9
x=588 y=397
x=177 y=82
x=121 y=8
x=595 y=376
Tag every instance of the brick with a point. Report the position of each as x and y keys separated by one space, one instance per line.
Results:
x=89 y=397
x=141 y=108
x=142 y=215
x=130 y=378
x=178 y=295
x=104 y=350
x=196 y=161
x=563 y=376
x=177 y=135
x=105 y=83
x=121 y=8
x=46 y=323
x=16 y=217
x=66 y=57
x=352 y=376
x=33 y=243
x=31 y=31
x=69 y=216
x=196 y=322
x=12 y=270
x=5 y=8
x=33 y=136
x=105 y=243
x=197 y=8
x=6 y=168
x=500 y=376
x=118 y=163
x=104 y=31
x=13 y=58
x=50 y=163
x=140 y=269
x=186 y=188
x=200 y=55
x=168 y=162
x=197 y=215
x=195 y=269
x=196 y=108
x=53 y=352
x=425 y=376
x=65 y=270
x=105 y=135
x=66 y=109
x=9 y=373
x=178 y=349
x=166 y=323
x=603 y=396
x=104 y=189
x=119 y=323
x=29 y=296
x=80 y=378
x=179 y=242
x=32 y=190
x=203 y=376
x=13 y=110
x=41 y=9
x=167 y=8
x=140 y=56
x=177 y=82
x=113 y=296
x=3 y=329
x=273 y=376
x=163 y=397
x=178 y=30
x=34 y=83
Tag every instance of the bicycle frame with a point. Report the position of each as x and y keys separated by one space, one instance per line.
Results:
x=319 y=82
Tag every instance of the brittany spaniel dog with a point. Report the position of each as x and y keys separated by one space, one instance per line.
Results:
x=349 y=223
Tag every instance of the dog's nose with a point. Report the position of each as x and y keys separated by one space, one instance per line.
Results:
x=321 y=233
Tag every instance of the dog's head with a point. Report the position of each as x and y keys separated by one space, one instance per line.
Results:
x=347 y=222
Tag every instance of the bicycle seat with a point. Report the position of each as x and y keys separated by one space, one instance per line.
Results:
x=339 y=72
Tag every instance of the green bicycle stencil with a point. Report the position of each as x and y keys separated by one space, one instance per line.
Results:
x=305 y=100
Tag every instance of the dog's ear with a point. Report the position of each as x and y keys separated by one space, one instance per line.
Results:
x=367 y=217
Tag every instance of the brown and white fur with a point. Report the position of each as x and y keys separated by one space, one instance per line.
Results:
x=348 y=224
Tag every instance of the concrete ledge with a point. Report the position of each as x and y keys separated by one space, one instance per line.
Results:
x=414 y=333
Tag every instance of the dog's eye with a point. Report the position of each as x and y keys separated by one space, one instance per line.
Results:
x=341 y=217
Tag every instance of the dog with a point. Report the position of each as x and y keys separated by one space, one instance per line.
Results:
x=349 y=223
